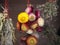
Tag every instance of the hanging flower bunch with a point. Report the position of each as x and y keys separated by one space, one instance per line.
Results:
x=49 y=13
x=7 y=30
x=30 y=22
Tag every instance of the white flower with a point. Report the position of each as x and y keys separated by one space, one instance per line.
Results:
x=32 y=17
x=29 y=31
x=41 y=22
x=28 y=9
